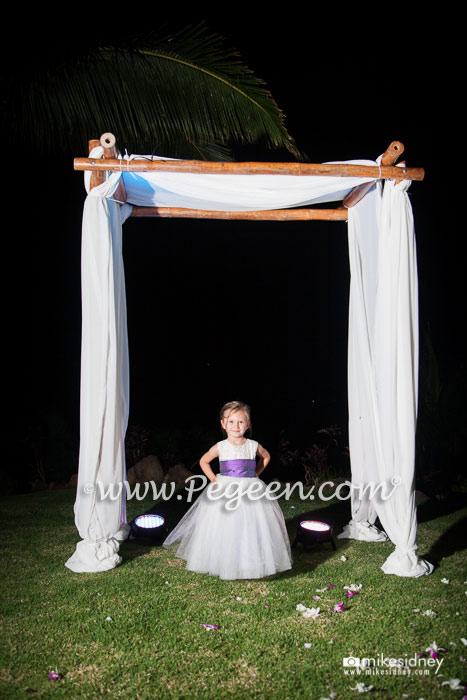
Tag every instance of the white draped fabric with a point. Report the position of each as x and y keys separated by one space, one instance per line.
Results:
x=383 y=373
x=104 y=382
x=379 y=454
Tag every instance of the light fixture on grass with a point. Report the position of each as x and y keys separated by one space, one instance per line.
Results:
x=311 y=532
x=149 y=528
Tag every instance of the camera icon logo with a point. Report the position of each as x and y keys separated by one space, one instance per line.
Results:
x=351 y=662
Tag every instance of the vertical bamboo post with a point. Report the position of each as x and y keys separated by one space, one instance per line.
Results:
x=390 y=156
x=107 y=141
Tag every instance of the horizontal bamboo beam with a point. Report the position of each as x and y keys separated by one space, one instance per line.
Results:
x=271 y=215
x=215 y=168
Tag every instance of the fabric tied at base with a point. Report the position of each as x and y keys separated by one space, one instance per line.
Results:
x=362 y=530
x=90 y=556
x=238 y=467
x=404 y=562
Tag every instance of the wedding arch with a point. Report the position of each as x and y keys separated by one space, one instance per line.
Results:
x=383 y=321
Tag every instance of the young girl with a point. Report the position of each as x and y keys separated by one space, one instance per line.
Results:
x=233 y=531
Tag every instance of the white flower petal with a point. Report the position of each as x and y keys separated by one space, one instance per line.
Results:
x=308 y=645
x=362 y=688
x=445 y=580
x=454 y=684
x=464 y=641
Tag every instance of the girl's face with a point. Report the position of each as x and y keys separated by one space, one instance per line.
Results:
x=235 y=424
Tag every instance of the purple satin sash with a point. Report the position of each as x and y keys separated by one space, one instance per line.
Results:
x=238 y=467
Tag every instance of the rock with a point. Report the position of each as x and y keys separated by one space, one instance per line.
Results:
x=178 y=473
x=147 y=469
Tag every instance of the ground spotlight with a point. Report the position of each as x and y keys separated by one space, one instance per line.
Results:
x=311 y=532
x=149 y=528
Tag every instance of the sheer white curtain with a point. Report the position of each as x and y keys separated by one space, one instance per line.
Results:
x=104 y=382
x=383 y=373
x=104 y=372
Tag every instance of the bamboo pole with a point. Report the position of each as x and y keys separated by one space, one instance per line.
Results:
x=390 y=156
x=215 y=168
x=271 y=215
x=107 y=141
x=96 y=177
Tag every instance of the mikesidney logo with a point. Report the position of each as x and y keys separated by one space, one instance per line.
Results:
x=382 y=665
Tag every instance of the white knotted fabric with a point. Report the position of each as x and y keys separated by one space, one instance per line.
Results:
x=383 y=373
x=100 y=519
x=101 y=522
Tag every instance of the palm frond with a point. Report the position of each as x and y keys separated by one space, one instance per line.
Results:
x=183 y=93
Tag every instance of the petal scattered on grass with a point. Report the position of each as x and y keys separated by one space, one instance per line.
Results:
x=433 y=650
x=266 y=605
x=343 y=558
x=429 y=613
x=350 y=594
x=445 y=580
x=311 y=612
x=238 y=598
x=331 y=585
x=209 y=627
x=316 y=597
x=454 y=684
x=354 y=587
x=362 y=688
x=55 y=676
x=308 y=645
x=464 y=641
x=339 y=607
x=108 y=619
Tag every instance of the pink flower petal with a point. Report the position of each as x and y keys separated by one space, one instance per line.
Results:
x=54 y=676
x=350 y=594
x=267 y=605
x=331 y=585
x=210 y=627
x=339 y=607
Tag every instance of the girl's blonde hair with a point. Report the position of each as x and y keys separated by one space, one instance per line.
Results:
x=233 y=407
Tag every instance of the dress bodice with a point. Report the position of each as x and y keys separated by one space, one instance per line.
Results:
x=237 y=460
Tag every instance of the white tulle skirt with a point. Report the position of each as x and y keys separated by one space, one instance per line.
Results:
x=247 y=541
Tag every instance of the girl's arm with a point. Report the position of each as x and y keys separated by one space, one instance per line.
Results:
x=205 y=460
x=264 y=459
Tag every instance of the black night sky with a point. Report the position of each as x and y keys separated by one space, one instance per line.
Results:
x=224 y=310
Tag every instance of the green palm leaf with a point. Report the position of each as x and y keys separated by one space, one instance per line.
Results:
x=182 y=95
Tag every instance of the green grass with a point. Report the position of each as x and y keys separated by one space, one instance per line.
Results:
x=156 y=647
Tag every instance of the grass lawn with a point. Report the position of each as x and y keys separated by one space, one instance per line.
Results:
x=154 y=645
